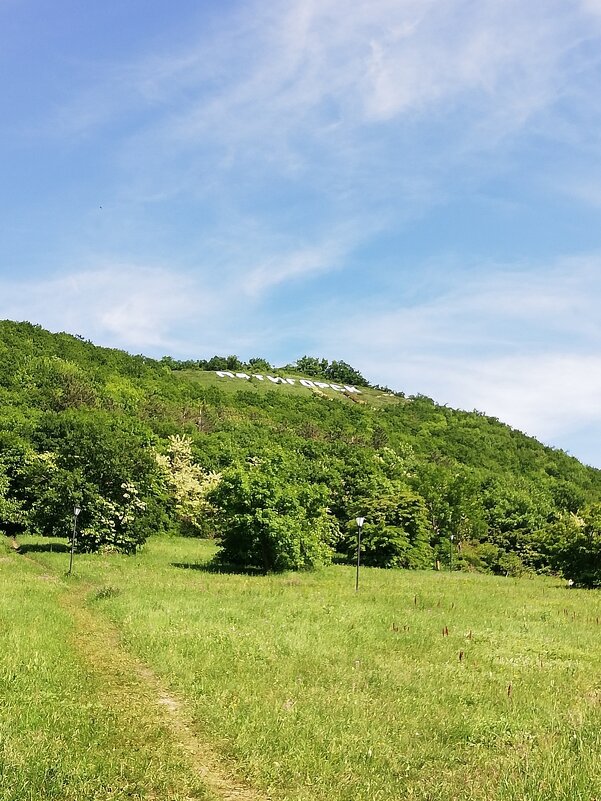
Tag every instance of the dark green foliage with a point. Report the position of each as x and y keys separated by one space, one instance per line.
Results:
x=258 y=365
x=82 y=423
x=485 y=557
x=395 y=533
x=514 y=511
x=310 y=365
x=337 y=371
x=575 y=545
x=222 y=363
x=103 y=463
x=454 y=500
x=270 y=523
x=343 y=373
x=12 y=517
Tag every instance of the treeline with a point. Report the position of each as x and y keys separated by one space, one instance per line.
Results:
x=143 y=447
x=338 y=371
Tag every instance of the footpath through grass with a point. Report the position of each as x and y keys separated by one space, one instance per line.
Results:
x=71 y=730
x=421 y=686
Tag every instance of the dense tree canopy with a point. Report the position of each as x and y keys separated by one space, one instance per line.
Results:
x=395 y=532
x=146 y=445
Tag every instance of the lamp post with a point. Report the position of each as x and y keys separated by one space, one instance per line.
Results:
x=451 y=553
x=360 y=521
x=76 y=511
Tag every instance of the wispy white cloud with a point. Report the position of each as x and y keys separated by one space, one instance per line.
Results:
x=386 y=58
x=543 y=394
x=302 y=262
x=279 y=80
x=520 y=344
x=299 y=114
x=157 y=310
x=503 y=307
x=120 y=304
x=547 y=395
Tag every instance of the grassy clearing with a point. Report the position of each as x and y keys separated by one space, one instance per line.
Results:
x=422 y=686
x=69 y=730
x=231 y=386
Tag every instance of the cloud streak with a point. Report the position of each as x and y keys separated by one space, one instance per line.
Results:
x=520 y=344
x=299 y=120
x=301 y=89
x=121 y=305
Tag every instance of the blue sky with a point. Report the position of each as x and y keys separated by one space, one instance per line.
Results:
x=413 y=186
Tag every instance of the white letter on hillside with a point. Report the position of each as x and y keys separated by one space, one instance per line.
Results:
x=224 y=373
x=276 y=380
x=242 y=375
x=352 y=389
x=260 y=377
x=306 y=383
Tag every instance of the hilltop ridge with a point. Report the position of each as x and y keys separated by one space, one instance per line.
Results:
x=69 y=402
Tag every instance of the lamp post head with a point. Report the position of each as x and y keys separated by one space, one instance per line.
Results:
x=76 y=511
x=360 y=521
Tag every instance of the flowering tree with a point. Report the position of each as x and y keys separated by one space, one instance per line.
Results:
x=188 y=484
x=92 y=459
x=11 y=513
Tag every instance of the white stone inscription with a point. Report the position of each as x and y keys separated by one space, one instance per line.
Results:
x=304 y=382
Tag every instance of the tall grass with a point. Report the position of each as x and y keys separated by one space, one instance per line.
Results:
x=421 y=686
x=67 y=732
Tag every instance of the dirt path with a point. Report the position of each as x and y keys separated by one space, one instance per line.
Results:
x=98 y=641
x=129 y=679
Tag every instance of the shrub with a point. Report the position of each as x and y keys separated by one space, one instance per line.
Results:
x=269 y=523
x=395 y=533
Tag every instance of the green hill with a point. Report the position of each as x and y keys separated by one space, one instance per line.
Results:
x=145 y=445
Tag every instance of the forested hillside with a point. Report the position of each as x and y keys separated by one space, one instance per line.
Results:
x=277 y=472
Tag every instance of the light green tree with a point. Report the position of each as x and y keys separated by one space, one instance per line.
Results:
x=189 y=485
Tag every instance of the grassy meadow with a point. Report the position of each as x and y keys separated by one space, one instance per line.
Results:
x=68 y=730
x=422 y=685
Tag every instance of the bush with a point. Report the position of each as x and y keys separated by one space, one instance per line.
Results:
x=395 y=532
x=578 y=547
x=269 y=523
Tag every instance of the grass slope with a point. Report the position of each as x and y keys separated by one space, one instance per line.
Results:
x=231 y=386
x=421 y=686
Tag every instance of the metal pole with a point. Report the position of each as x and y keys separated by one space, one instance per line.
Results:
x=451 y=553
x=359 y=521
x=76 y=512
x=358 y=556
